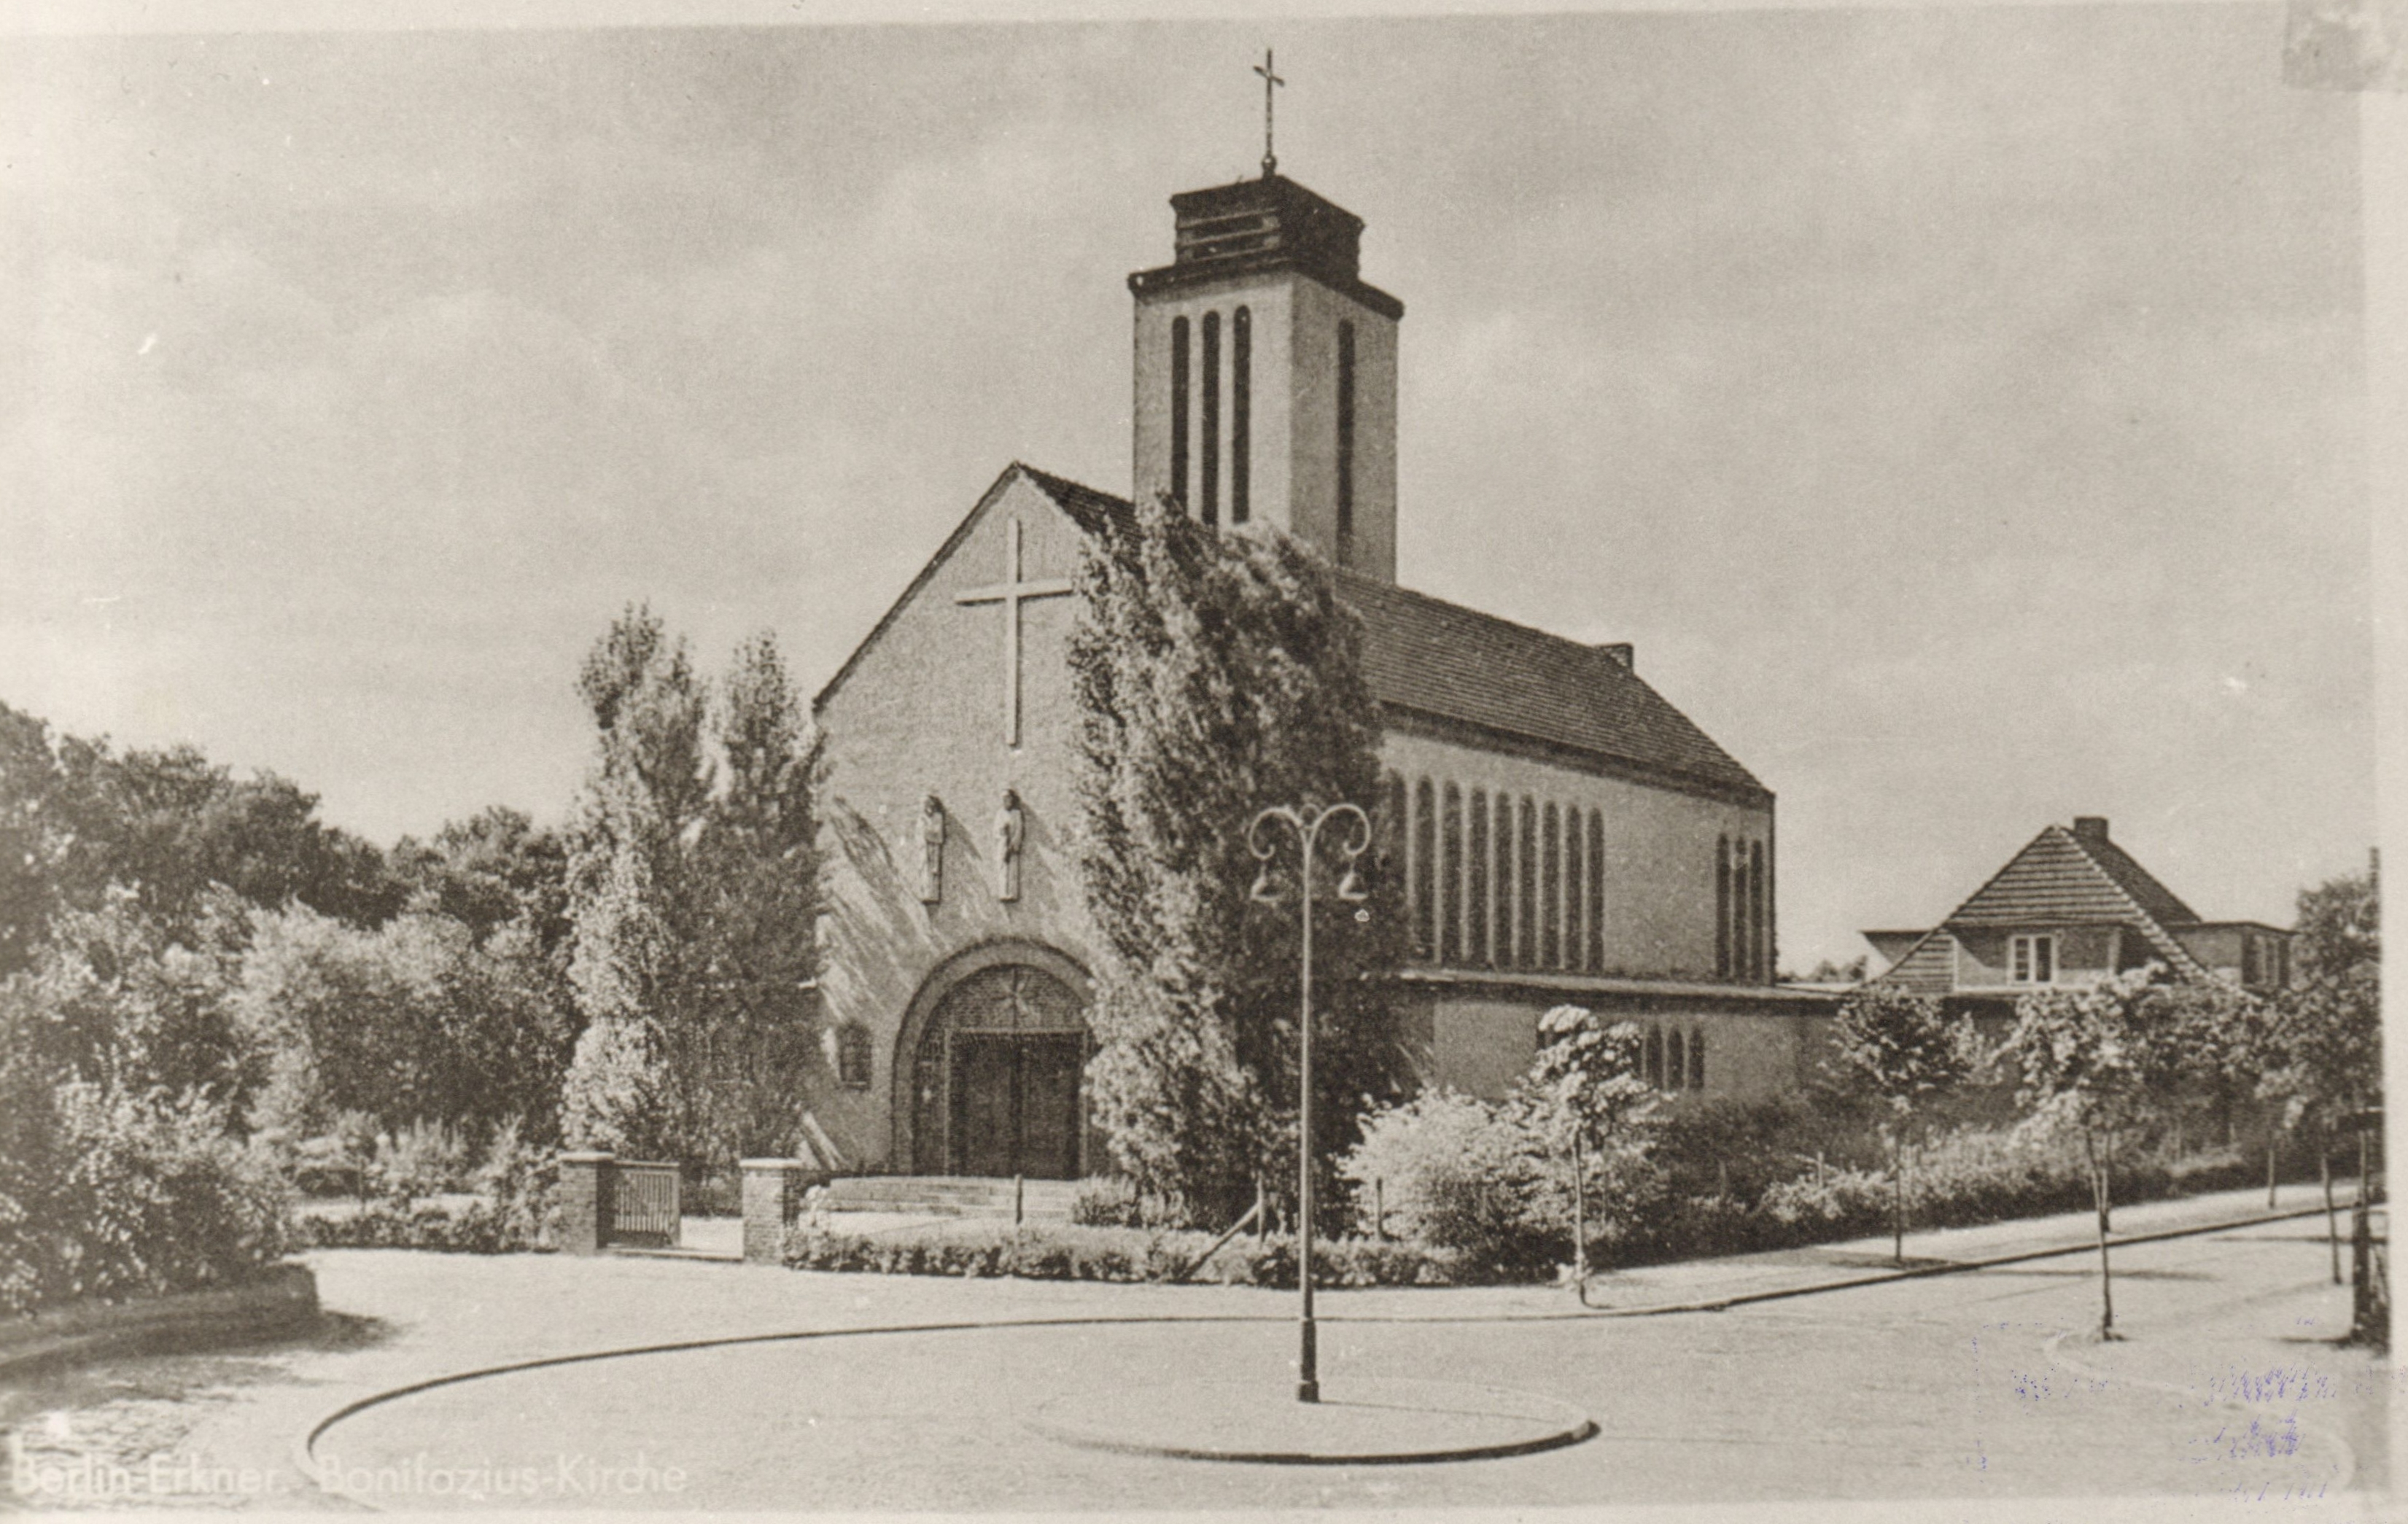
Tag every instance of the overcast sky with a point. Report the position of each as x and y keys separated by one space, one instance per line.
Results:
x=1962 y=411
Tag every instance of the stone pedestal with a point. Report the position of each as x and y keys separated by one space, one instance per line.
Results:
x=773 y=1197
x=588 y=1194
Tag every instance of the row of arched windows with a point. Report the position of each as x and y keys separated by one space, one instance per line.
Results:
x=1496 y=880
x=1742 y=928
x=1675 y=1059
x=1203 y=491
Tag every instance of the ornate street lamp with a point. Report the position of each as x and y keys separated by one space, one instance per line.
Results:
x=1308 y=823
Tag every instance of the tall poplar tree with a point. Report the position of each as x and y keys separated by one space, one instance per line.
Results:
x=759 y=873
x=692 y=901
x=1217 y=673
x=634 y=921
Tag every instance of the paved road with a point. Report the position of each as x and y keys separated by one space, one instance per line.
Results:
x=1981 y=1385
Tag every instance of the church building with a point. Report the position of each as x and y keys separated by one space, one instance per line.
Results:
x=1569 y=835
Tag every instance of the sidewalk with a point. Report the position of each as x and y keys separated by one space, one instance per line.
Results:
x=398 y=1318
x=1786 y=1270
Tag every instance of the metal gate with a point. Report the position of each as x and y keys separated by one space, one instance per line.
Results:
x=644 y=1205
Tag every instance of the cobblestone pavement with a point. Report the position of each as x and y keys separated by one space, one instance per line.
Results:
x=1974 y=1385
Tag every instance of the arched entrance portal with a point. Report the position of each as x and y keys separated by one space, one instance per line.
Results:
x=996 y=1080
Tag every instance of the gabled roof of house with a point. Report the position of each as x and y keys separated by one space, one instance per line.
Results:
x=1425 y=654
x=2065 y=878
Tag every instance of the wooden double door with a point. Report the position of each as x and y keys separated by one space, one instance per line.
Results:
x=1016 y=1103
x=999 y=1078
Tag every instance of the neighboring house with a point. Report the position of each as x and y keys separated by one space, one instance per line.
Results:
x=2069 y=908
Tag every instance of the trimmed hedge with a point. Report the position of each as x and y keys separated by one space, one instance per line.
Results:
x=479 y=1228
x=1072 y=1252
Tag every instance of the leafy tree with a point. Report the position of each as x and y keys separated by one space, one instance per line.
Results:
x=166 y=827
x=1217 y=673
x=492 y=868
x=632 y=887
x=762 y=904
x=617 y=1094
x=1896 y=1049
x=2324 y=1040
x=1587 y=1094
x=692 y=906
x=413 y=1022
x=2087 y=1059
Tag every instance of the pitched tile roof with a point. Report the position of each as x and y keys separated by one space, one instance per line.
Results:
x=2064 y=878
x=1440 y=658
x=1425 y=654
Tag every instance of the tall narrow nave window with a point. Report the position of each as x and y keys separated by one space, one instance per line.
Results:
x=1345 y=443
x=1758 y=927
x=1722 y=908
x=1241 y=413
x=1551 y=878
x=1676 y=1059
x=1449 y=904
x=1212 y=420
x=1480 y=909
x=1596 y=892
x=1526 y=866
x=1179 y=409
x=1740 y=960
x=1575 y=890
x=1425 y=866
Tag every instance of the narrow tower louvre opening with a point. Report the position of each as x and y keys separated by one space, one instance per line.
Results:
x=1345 y=444
x=1211 y=499
x=1179 y=409
x=1241 y=413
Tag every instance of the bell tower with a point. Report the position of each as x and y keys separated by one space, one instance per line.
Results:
x=1267 y=372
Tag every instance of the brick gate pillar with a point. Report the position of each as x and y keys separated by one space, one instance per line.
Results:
x=773 y=1197
x=588 y=1196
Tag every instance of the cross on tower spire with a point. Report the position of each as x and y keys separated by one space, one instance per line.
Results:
x=1270 y=160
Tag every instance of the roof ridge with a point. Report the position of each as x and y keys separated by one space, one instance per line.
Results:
x=2160 y=937
x=1584 y=647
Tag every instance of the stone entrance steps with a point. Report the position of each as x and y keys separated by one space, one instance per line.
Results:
x=951 y=1195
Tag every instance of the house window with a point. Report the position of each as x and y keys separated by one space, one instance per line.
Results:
x=852 y=1056
x=2032 y=960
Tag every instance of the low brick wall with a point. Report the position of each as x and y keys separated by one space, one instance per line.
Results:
x=282 y=1297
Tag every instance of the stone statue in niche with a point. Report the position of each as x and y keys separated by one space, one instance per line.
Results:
x=932 y=850
x=1010 y=833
